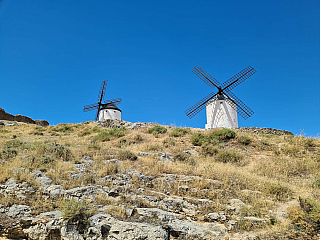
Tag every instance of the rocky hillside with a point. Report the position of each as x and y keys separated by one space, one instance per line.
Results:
x=118 y=180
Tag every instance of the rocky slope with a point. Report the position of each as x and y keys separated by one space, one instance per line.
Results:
x=118 y=180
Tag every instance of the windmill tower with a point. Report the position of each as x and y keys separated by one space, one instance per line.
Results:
x=106 y=110
x=222 y=107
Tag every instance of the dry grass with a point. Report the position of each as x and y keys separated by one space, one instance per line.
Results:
x=282 y=168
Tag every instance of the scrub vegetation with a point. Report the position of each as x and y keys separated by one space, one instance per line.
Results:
x=283 y=172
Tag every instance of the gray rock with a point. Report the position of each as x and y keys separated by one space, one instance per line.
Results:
x=191 y=152
x=157 y=213
x=70 y=232
x=54 y=191
x=17 y=211
x=213 y=216
x=183 y=188
x=113 y=161
x=236 y=205
x=194 y=230
x=41 y=178
x=132 y=230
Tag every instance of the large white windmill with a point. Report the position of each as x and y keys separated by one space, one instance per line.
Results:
x=223 y=106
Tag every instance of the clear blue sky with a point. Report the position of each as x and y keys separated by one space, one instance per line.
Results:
x=55 y=54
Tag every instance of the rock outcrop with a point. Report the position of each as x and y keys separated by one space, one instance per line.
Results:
x=261 y=130
x=20 y=118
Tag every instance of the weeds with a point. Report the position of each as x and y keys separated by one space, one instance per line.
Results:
x=78 y=212
x=127 y=155
x=178 y=132
x=107 y=135
x=169 y=142
x=157 y=130
x=213 y=137
x=229 y=157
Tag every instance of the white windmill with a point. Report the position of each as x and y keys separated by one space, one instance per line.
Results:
x=107 y=109
x=223 y=106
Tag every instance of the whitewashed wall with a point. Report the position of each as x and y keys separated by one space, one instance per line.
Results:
x=109 y=114
x=225 y=115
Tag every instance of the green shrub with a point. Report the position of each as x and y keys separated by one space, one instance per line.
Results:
x=223 y=134
x=122 y=142
x=53 y=150
x=312 y=211
x=11 y=148
x=62 y=128
x=38 y=133
x=184 y=157
x=154 y=147
x=229 y=156
x=244 y=139
x=279 y=191
x=85 y=132
x=316 y=183
x=127 y=155
x=157 y=130
x=213 y=137
x=2 y=130
x=178 y=132
x=94 y=146
x=107 y=135
x=137 y=138
x=45 y=159
x=169 y=142
x=208 y=149
x=76 y=212
x=197 y=139
x=96 y=129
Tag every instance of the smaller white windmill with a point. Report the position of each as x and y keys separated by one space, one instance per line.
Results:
x=107 y=109
x=223 y=106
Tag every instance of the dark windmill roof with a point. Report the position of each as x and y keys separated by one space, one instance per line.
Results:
x=110 y=106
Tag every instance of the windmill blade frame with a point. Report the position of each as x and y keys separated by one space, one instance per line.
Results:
x=205 y=76
x=90 y=107
x=243 y=110
x=115 y=101
x=102 y=91
x=239 y=78
x=199 y=106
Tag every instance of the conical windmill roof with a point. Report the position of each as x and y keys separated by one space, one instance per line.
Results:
x=110 y=106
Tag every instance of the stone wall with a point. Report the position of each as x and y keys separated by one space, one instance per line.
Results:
x=263 y=130
x=20 y=118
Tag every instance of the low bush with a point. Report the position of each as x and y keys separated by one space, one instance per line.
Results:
x=62 y=128
x=53 y=150
x=213 y=137
x=244 y=139
x=280 y=192
x=127 y=155
x=229 y=156
x=168 y=142
x=76 y=212
x=94 y=146
x=178 y=132
x=137 y=138
x=107 y=135
x=197 y=139
x=208 y=150
x=157 y=130
x=184 y=157
x=312 y=211
x=85 y=132
x=316 y=183
x=11 y=148
x=122 y=142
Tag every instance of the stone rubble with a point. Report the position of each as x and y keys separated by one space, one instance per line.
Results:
x=148 y=214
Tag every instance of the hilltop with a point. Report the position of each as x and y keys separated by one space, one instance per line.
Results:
x=105 y=180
